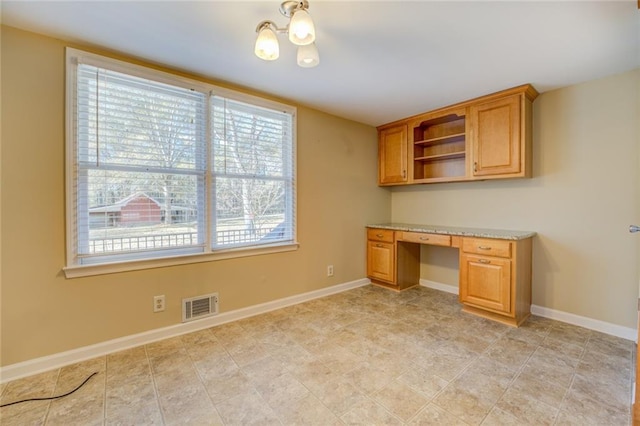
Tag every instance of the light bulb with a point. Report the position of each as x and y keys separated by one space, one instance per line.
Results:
x=267 y=46
x=301 y=28
x=308 y=56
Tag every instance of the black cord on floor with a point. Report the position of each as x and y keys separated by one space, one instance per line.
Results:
x=50 y=397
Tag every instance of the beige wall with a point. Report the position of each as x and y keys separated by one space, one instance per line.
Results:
x=581 y=200
x=43 y=313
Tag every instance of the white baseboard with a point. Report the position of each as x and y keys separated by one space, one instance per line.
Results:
x=590 y=323
x=541 y=311
x=39 y=365
x=439 y=286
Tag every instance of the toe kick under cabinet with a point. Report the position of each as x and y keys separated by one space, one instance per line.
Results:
x=495 y=265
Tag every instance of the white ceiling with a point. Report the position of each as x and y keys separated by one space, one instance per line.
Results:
x=379 y=61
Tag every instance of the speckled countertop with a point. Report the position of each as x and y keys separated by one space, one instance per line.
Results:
x=500 y=234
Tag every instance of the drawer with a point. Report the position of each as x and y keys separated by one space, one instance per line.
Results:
x=376 y=234
x=424 y=238
x=498 y=248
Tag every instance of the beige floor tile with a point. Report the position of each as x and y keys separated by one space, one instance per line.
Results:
x=225 y=387
x=339 y=395
x=369 y=379
x=247 y=409
x=432 y=415
x=168 y=381
x=264 y=369
x=528 y=410
x=215 y=365
x=188 y=405
x=400 y=400
x=177 y=360
x=33 y=412
x=86 y=408
x=247 y=352
x=605 y=368
x=464 y=404
x=368 y=413
x=610 y=345
x=484 y=369
x=423 y=381
x=608 y=394
x=441 y=365
x=569 y=334
x=282 y=391
x=122 y=360
x=312 y=371
x=511 y=352
x=356 y=357
x=126 y=398
x=27 y=413
x=164 y=347
x=498 y=417
x=540 y=389
x=144 y=415
x=592 y=411
x=307 y=410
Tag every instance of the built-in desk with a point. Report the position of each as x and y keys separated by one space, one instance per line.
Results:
x=495 y=265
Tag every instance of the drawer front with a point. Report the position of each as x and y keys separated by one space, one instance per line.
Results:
x=498 y=248
x=384 y=235
x=423 y=238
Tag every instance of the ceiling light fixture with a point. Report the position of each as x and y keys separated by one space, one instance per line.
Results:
x=300 y=30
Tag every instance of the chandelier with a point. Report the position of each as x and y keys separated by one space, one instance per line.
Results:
x=300 y=31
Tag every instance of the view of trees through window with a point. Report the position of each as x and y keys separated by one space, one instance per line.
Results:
x=143 y=164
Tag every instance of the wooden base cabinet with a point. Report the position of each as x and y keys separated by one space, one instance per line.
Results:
x=391 y=263
x=495 y=279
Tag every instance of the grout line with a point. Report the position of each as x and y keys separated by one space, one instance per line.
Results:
x=53 y=392
x=155 y=385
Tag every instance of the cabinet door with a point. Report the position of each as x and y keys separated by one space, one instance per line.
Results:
x=381 y=261
x=392 y=155
x=485 y=282
x=496 y=137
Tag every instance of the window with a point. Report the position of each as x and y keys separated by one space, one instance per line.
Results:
x=160 y=167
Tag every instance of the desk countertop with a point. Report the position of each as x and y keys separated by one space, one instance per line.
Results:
x=500 y=234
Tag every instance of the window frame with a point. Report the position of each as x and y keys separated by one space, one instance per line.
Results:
x=138 y=261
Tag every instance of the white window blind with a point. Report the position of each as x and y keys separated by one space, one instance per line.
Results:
x=141 y=167
x=160 y=167
x=253 y=174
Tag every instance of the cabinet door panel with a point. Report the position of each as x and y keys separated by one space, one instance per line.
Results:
x=486 y=282
x=392 y=155
x=381 y=261
x=496 y=137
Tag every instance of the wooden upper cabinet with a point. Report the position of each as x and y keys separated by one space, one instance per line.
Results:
x=392 y=155
x=497 y=138
x=484 y=138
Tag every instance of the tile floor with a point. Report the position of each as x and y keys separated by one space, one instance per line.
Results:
x=367 y=356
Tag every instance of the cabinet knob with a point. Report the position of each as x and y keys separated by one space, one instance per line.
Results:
x=404 y=174
x=379 y=235
x=424 y=238
x=379 y=245
x=484 y=261
x=484 y=247
x=475 y=166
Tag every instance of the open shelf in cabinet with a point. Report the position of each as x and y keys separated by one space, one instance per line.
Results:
x=439 y=147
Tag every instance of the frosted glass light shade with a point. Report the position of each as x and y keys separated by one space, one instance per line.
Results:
x=301 y=28
x=267 y=46
x=308 y=56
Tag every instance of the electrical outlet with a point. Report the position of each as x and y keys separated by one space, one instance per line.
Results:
x=329 y=270
x=158 y=303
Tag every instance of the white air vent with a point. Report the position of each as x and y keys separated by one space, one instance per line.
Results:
x=199 y=307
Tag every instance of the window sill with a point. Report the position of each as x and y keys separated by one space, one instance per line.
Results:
x=137 y=265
